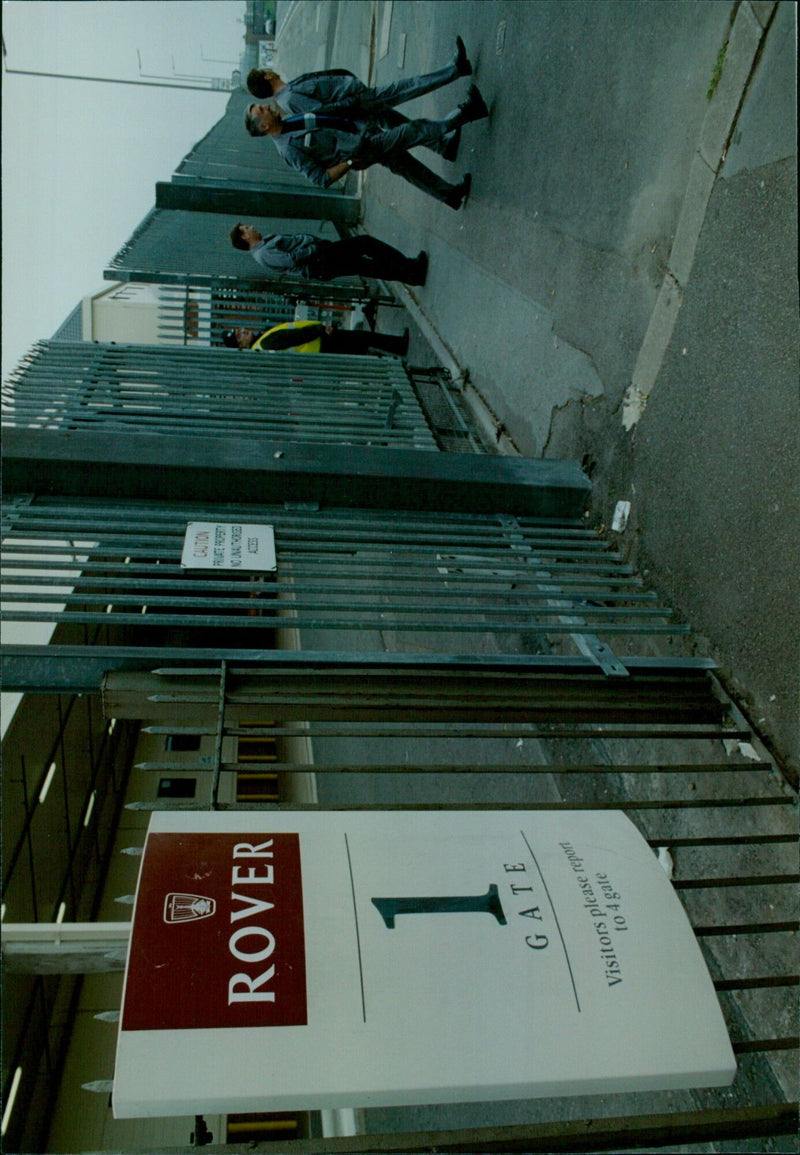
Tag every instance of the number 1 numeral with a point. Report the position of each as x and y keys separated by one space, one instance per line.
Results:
x=389 y=908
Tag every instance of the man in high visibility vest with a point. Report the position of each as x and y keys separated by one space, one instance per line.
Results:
x=314 y=337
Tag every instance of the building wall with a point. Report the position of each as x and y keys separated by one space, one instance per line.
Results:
x=83 y=1120
x=126 y=313
x=56 y=839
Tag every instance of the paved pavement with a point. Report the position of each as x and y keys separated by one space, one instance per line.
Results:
x=711 y=464
x=622 y=284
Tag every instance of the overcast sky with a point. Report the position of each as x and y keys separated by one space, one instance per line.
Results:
x=80 y=159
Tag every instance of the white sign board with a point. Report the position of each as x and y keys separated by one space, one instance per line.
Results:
x=228 y=546
x=288 y=961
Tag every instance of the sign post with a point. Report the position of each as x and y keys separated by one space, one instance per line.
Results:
x=284 y=961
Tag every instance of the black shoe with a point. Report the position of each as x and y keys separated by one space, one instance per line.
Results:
x=450 y=150
x=458 y=197
x=421 y=269
x=473 y=108
x=462 y=63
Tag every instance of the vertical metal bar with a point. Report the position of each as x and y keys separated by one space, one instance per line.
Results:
x=31 y=859
x=65 y=792
x=45 y=1026
x=223 y=674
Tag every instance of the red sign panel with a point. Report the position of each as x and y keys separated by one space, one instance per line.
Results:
x=218 y=936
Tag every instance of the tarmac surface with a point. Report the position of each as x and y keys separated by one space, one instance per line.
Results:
x=621 y=286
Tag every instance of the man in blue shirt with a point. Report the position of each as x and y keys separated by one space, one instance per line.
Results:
x=320 y=260
x=325 y=146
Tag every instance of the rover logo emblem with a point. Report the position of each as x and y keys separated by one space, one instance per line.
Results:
x=232 y=955
x=187 y=907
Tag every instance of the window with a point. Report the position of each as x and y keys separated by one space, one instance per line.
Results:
x=177 y=787
x=183 y=742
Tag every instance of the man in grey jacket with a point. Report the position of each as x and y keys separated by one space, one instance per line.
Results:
x=325 y=146
x=321 y=260
x=341 y=90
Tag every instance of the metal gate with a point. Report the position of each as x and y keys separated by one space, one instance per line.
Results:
x=324 y=398
x=450 y=660
x=518 y=581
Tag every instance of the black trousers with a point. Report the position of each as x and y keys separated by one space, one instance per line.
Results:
x=358 y=341
x=362 y=256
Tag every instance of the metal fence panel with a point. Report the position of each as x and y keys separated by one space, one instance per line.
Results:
x=198 y=391
x=448 y=577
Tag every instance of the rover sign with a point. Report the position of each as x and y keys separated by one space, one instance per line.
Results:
x=286 y=961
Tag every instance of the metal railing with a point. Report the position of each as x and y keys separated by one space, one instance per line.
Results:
x=322 y=398
x=192 y=314
x=724 y=827
x=538 y=584
x=454 y=661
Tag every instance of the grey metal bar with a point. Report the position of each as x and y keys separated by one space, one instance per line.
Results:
x=346 y=585
x=438 y=768
x=281 y=619
x=205 y=468
x=327 y=604
x=454 y=544
x=80 y=669
x=742 y=880
x=64 y=958
x=763 y=982
x=223 y=676
x=670 y=1130
x=304 y=514
x=215 y=197
x=628 y=804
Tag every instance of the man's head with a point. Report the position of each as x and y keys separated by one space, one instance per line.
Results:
x=262 y=120
x=239 y=338
x=244 y=237
x=263 y=83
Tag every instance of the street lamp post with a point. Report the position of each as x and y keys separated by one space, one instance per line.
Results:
x=100 y=79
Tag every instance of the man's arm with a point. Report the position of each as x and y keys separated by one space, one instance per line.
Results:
x=333 y=86
x=337 y=171
x=283 y=252
x=299 y=158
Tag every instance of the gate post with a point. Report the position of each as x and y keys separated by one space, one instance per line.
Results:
x=250 y=469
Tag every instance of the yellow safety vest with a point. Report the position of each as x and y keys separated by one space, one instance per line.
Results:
x=310 y=346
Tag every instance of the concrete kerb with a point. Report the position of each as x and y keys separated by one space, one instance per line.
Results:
x=749 y=27
x=486 y=420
